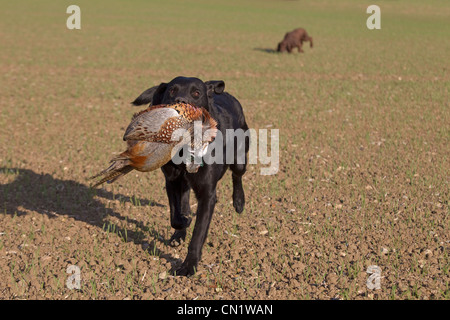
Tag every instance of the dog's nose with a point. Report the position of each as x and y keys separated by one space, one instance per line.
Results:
x=181 y=100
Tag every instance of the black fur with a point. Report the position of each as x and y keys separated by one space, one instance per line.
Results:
x=227 y=111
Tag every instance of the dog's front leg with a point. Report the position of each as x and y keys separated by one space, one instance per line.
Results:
x=206 y=203
x=177 y=188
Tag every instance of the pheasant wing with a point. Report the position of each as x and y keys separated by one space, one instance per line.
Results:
x=146 y=124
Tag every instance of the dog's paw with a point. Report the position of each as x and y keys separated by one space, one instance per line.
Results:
x=177 y=238
x=238 y=201
x=185 y=270
x=181 y=222
x=239 y=206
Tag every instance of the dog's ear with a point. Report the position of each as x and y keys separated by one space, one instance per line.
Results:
x=153 y=95
x=215 y=86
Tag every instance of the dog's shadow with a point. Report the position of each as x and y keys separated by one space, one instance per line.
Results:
x=44 y=194
x=266 y=50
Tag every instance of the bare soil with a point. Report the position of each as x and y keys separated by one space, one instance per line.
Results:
x=364 y=153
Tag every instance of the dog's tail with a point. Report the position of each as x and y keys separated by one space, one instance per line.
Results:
x=310 y=42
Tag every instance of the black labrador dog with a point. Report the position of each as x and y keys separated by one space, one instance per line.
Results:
x=228 y=113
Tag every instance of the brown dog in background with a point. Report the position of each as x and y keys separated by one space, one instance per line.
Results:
x=294 y=39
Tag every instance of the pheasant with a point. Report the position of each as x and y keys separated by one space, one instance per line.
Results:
x=152 y=138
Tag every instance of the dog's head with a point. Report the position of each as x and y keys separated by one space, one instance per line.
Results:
x=182 y=89
x=282 y=46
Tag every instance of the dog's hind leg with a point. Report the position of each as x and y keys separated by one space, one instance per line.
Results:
x=238 y=168
x=238 y=191
x=237 y=171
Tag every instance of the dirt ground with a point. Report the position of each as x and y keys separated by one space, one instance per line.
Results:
x=364 y=154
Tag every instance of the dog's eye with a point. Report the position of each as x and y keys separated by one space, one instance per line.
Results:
x=172 y=91
x=196 y=93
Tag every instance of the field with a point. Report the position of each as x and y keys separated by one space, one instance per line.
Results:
x=364 y=144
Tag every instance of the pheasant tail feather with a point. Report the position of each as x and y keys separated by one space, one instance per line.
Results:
x=118 y=168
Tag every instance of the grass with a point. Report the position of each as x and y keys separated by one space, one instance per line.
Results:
x=363 y=149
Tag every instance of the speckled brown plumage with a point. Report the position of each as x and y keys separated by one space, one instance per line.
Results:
x=150 y=139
